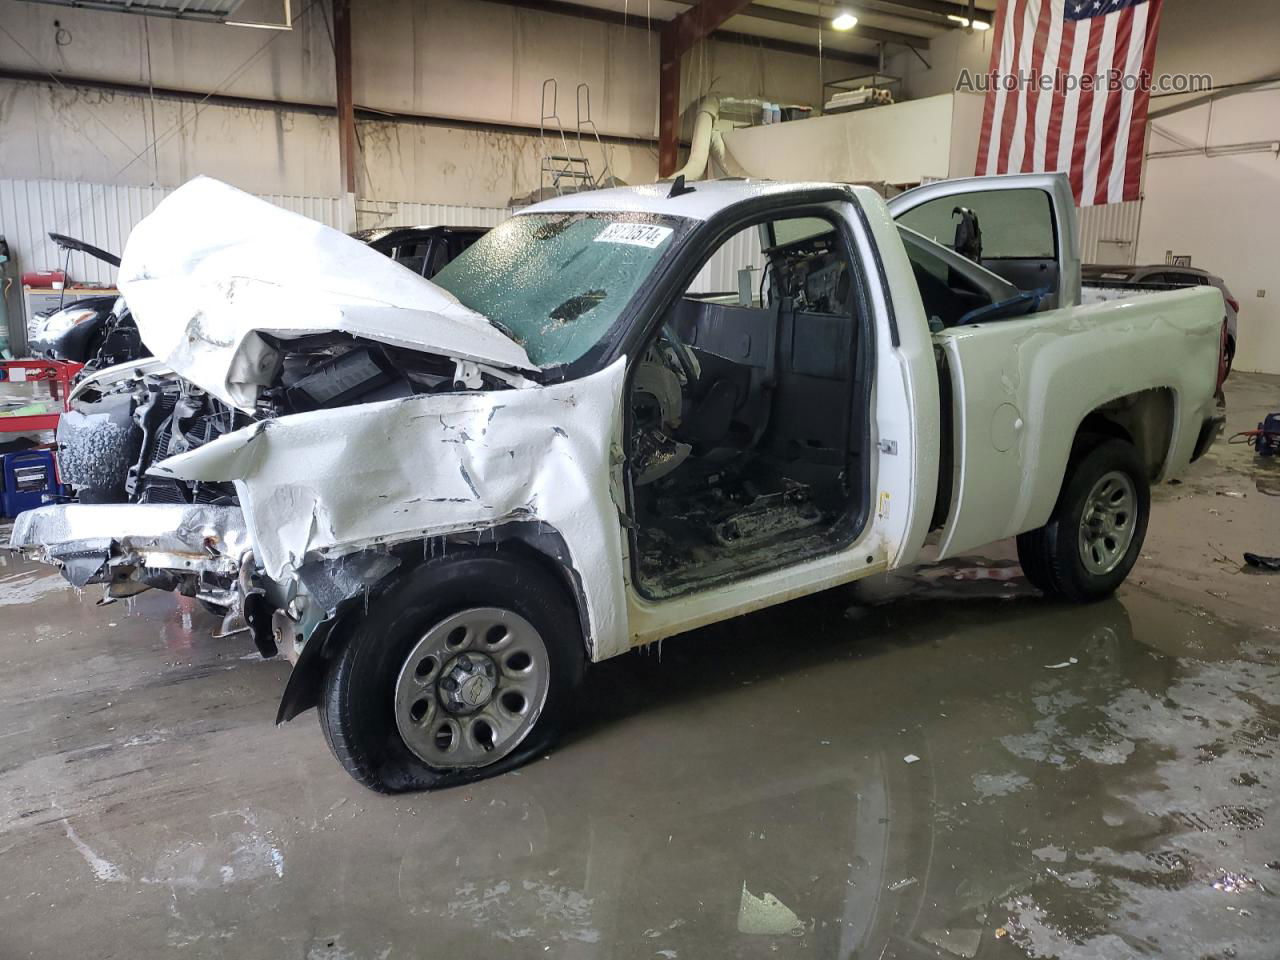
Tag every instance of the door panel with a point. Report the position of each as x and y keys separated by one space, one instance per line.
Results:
x=990 y=452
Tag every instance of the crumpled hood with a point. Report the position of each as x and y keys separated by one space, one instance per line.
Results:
x=212 y=267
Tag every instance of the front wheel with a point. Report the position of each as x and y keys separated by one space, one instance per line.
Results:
x=462 y=669
x=1097 y=528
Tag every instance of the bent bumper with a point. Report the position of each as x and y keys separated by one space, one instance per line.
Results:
x=88 y=541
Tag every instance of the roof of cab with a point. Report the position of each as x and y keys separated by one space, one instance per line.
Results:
x=704 y=200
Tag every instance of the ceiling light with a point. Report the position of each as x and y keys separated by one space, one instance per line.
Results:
x=844 y=20
x=964 y=22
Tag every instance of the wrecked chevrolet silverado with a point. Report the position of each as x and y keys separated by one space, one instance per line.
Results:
x=441 y=499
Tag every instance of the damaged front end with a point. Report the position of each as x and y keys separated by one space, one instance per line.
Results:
x=138 y=527
x=130 y=531
x=315 y=419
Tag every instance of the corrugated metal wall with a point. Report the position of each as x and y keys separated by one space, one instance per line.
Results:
x=103 y=215
x=720 y=275
x=1109 y=233
x=328 y=210
x=97 y=214
x=390 y=213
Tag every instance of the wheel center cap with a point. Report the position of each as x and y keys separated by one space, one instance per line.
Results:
x=475 y=691
x=468 y=682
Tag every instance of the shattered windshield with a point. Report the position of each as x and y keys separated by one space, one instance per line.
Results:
x=556 y=283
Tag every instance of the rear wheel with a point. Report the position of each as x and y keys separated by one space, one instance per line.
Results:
x=1095 y=534
x=462 y=669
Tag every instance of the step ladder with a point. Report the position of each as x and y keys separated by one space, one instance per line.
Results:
x=562 y=172
x=564 y=167
x=588 y=126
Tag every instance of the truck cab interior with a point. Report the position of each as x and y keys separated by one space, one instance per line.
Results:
x=749 y=413
x=956 y=291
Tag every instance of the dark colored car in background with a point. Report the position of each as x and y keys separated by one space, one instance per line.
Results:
x=100 y=332
x=424 y=250
x=91 y=328
x=1162 y=276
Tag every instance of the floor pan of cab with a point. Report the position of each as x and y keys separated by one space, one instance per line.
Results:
x=705 y=540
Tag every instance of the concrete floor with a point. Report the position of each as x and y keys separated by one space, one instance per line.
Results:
x=1096 y=781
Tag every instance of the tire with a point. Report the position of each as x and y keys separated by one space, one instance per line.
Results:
x=1031 y=556
x=394 y=675
x=1097 y=528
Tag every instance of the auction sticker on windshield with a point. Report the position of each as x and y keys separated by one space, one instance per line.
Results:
x=636 y=234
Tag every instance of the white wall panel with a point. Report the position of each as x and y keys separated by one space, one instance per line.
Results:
x=393 y=213
x=1109 y=233
x=720 y=275
x=328 y=210
x=1220 y=206
x=97 y=214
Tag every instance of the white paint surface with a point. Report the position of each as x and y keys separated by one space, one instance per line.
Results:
x=333 y=481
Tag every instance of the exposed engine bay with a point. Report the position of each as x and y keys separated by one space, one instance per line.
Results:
x=123 y=425
x=744 y=444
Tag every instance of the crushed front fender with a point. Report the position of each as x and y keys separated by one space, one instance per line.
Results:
x=331 y=482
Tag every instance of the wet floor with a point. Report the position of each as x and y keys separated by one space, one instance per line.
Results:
x=934 y=765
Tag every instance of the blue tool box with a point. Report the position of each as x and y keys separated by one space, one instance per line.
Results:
x=26 y=479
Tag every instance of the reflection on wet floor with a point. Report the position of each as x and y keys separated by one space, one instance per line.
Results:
x=935 y=764
x=1092 y=781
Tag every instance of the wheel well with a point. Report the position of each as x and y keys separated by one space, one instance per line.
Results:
x=543 y=545
x=1144 y=419
x=531 y=541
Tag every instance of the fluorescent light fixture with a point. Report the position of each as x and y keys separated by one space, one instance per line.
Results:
x=287 y=24
x=256 y=25
x=964 y=22
x=844 y=20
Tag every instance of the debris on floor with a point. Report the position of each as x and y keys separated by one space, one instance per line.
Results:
x=1262 y=563
x=1069 y=662
x=1229 y=882
x=959 y=943
x=767 y=915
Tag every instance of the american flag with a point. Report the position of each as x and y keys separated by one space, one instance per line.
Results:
x=1093 y=130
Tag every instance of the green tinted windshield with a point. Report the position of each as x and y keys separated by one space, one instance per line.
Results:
x=556 y=283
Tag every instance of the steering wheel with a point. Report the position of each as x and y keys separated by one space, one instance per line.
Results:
x=684 y=356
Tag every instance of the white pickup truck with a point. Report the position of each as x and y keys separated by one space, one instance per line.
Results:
x=441 y=499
